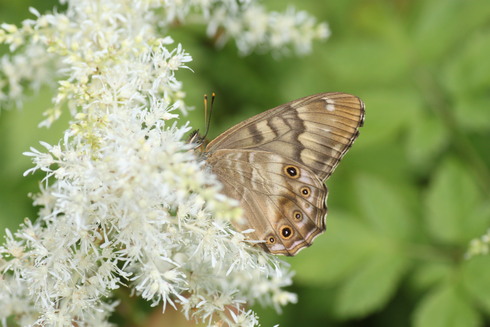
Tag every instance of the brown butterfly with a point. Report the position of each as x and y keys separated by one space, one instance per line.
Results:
x=275 y=164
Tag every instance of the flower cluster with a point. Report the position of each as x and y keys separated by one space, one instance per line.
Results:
x=479 y=246
x=124 y=201
x=256 y=29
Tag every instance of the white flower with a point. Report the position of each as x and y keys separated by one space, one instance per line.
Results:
x=124 y=200
x=479 y=246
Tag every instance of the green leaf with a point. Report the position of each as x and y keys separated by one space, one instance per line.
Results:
x=453 y=205
x=476 y=280
x=342 y=249
x=380 y=62
x=446 y=307
x=429 y=274
x=372 y=285
x=376 y=17
x=471 y=111
x=426 y=140
x=467 y=80
x=387 y=111
x=467 y=70
x=435 y=31
x=385 y=208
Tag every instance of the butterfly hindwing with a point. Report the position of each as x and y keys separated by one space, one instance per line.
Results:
x=267 y=186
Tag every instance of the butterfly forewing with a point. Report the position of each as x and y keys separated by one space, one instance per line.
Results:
x=315 y=130
x=275 y=164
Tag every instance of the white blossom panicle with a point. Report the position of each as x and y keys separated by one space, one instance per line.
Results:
x=125 y=202
x=479 y=246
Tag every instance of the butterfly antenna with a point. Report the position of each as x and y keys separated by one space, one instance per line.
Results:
x=207 y=117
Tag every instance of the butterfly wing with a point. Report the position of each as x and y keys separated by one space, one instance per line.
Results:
x=286 y=209
x=275 y=164
x=315 y=131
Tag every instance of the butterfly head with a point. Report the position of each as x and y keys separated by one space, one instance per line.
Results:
x=199 y=142
x=195 y=138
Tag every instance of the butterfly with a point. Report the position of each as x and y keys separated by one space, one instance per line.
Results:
x=275 y=164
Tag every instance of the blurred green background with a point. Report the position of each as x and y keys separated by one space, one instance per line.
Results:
x=408 y=197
